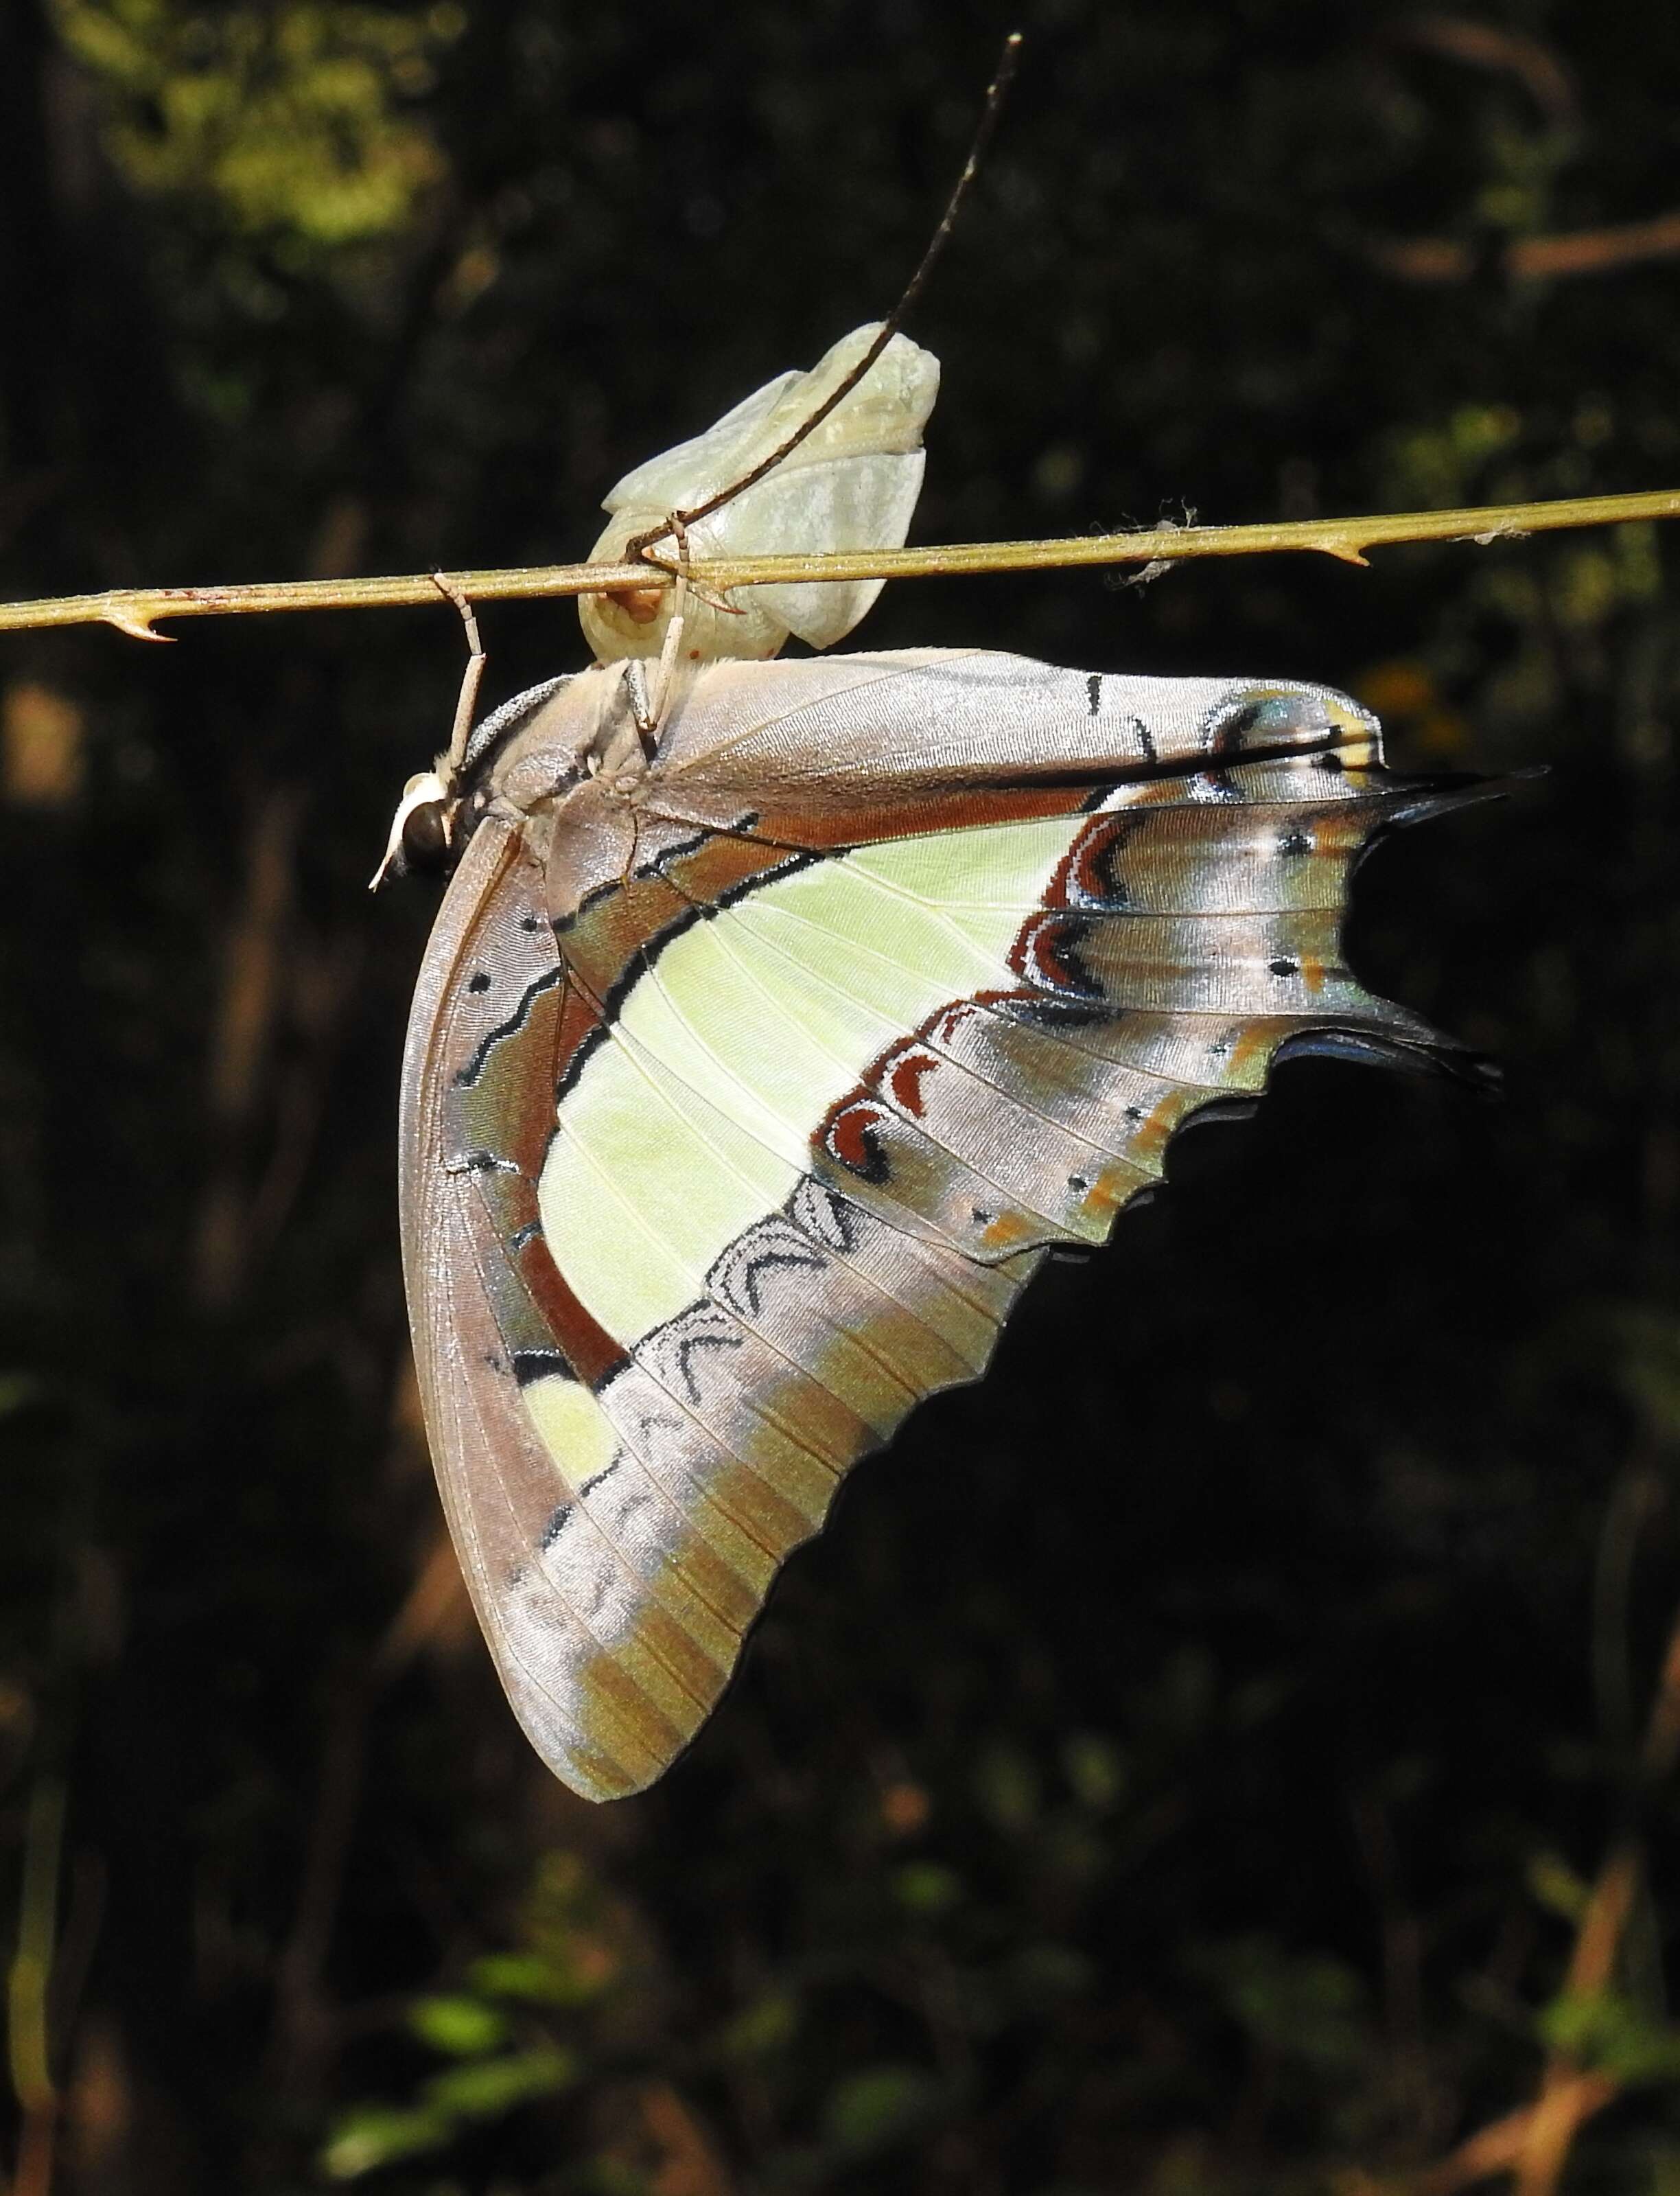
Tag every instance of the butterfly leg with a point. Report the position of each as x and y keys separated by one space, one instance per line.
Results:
x=472 y=678
x=439 y=788
x=650 y=711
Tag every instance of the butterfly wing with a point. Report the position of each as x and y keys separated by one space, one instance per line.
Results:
x=750 y=1136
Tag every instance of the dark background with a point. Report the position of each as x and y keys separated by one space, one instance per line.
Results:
x=1186 y=1764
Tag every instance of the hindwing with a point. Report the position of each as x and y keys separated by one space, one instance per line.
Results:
x=716 y=1163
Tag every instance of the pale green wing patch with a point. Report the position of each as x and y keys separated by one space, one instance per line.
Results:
x=696 y=1118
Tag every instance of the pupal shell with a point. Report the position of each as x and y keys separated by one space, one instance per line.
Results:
x=852 y=484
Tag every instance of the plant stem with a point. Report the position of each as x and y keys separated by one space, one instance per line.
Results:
x=133 y=609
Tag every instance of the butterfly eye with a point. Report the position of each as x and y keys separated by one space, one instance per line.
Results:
x=426 y=838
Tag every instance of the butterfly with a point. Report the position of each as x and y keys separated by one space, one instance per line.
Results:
x=765 y=1047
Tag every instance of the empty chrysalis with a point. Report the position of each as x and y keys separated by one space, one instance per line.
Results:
x=851 y=484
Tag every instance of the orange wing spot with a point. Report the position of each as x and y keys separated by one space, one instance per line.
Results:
x=1151 y=1140
x=905 y=1079
x=1047 y=959
x=1111 y=1189
x=1047 y=951
x=851 y=1138
x=1089 y=870
x=1253 y=1046
x=1007 y=1232
x=945 y=1025
x=1082 y=878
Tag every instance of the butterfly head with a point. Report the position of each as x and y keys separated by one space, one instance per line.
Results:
x=422 y=833
x=441 y=808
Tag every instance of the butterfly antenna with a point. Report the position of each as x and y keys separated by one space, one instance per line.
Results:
x=997 y=92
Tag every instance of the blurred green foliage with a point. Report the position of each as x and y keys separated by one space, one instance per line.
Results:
x=1188 y=1763
x=295 y=123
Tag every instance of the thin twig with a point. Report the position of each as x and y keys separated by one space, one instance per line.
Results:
x=28 y=1988
x=1563 y=2102
x=1563 y=2105
x=996 y=92
x=1529 y=258
x=132 y=609
x=1493 y=2149
x=1486 y=46
x=1534 y=2143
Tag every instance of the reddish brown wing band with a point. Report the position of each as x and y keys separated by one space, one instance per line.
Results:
x=747 y=1086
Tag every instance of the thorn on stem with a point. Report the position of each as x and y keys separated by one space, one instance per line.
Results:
x=135 y=623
